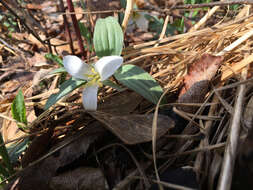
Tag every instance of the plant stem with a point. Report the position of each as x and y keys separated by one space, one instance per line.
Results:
x=66 y=26
x=128 y=12
x=76 y=27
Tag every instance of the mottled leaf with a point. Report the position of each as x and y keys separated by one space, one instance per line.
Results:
x=108 y=37
x=134 y=129
x=140 y=81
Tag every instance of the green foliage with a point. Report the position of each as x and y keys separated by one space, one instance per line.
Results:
x=86 y=34
x=16 y=150
x=58 y=70
x=61 y=70
x=6 y=168
x=18 y=109
x=234 y=7
x=9 y=22
x=179 y=25
x=156 y=25
x=140 y=81
x=83 y=5
x=66 y=87
x=108 y=37
x=195 y=11
x=121 y=15
x=123 y=3
x=54 y=58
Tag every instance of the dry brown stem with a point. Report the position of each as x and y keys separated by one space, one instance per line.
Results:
x=232 y=141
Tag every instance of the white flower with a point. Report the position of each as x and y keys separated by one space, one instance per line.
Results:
x=94 y=74
x=140 y=21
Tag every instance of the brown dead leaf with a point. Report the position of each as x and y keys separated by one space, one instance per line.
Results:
x=134 y=129
x=80 y=178
x=41 y=174
x=196 y=82
x=15 y=75
x=121 y=104
x=81 y=142
x=204 y=69
x=10 y=130
x=4 y=102
x=33 y=6
x=10 y=86
x=38 y=60
x=35 y=150
x=196 y=94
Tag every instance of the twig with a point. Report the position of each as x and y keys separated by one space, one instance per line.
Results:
x=140 y=169
x=204 y=19
x=76 y=27
x=11 y=49
x=22 y=21
x=236 y=43
x=167 y=184
x=126 y=181
x=232 y=141
x=66 y=26
x=128 y=12
x=186 y=6
x=154 y=134
x=196 y=150
x=212 y=4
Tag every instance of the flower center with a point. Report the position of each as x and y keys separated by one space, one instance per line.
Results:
x=94 y=78
x=136 y=16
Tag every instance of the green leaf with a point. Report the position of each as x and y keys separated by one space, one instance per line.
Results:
x=58 y=70
x=66 y=87
x=108 y=37
x=15 y=150
x=3 y=172
x=54 y=58
x=123 y=3
x=140 y=81
x=6 y=159
x=86 y=34
x=18 y=108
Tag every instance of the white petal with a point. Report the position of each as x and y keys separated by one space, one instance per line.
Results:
x=142 y=22
x=76 y=67
x=90 y=98
x=107 y=65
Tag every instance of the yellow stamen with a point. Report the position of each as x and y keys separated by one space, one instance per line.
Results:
x=94 y=78
x=136 y=16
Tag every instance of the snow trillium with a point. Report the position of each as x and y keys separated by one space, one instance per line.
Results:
x=94 y=74
x=140 y=21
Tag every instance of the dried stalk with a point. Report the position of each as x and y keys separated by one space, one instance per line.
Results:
x=232 y=142
x=128 y=12
x=236 y=43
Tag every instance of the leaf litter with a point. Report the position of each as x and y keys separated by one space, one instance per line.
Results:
x=190 y=66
